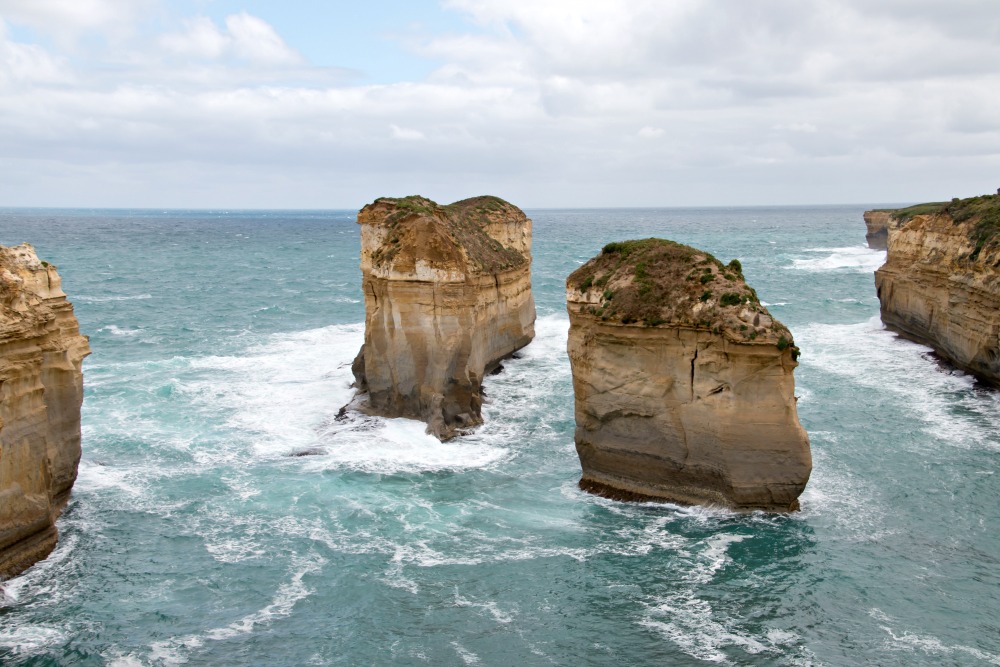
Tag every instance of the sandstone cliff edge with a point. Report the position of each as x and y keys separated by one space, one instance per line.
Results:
x=447 y=297
x=41 y=391
x=940 y=284
x=683 y=381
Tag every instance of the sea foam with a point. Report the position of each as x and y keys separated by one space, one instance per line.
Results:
x=852 y=258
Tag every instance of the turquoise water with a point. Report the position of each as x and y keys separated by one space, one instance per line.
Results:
x=222 y=345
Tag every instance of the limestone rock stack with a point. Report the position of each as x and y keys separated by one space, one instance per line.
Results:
x=41 y=391
x=878 y=222
x=683 y=381
x=940 y=284
x=447 y=297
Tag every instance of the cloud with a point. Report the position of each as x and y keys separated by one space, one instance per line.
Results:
x=796 y=127
x=405 y=133
x=591 y=102
x=28 y=63
x=245 y=37
x=67 y=20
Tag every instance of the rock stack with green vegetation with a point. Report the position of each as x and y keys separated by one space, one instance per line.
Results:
x=447 y=296
x=683 y=381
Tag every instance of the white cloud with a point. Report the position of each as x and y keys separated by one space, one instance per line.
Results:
x=256 y=41
x=245 y=37
x=797 y=127
x=28 y=63
x=405 y=133
x=766 y=101
x=66 y=20
x=200 y=39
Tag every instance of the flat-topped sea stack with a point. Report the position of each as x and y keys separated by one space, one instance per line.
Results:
x=940 y=284
x=683 y=382
x=41 y=391
x=877 y=221
x=447 y=297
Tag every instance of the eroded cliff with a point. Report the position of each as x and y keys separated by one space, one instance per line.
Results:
x=940 y=284
x=683 y=381
x=877 y=222
x=447 y=297
x=41 y=391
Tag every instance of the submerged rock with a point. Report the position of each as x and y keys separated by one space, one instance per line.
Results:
x=940 y=284
x=447 y=296
x=683 y=381
x=41 y=391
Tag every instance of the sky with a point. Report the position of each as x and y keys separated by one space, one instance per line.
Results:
x=546 y=103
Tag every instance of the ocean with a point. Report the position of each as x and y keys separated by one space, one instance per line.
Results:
x=222 y=344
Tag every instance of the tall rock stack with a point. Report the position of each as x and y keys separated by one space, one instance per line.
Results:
x=878 y=223
x=41 y=391
x=447 y=297
x=940 y=284
x=683 y=382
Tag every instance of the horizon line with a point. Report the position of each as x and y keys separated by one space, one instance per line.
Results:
x=227 y=209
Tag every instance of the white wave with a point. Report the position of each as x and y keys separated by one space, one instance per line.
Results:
x=511 y=411
x=172 y=651
x=115 y=330
x=390 y=446
x=687 y=620
x=490 y=607
x=93 y=477
x=856 y=258
x=871 y=356
x=467 y=656
x=912 y=642
x=284 y=600
x=716 y=555
x=39 y=581
x=26 y=640
x=281 y=392
x=694 y=632
x=102 y=299
x=836 y=494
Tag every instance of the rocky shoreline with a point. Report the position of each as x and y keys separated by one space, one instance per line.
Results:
x=940 y=284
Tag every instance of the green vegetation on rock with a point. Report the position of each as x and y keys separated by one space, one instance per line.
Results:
x=656 y=282
x=464 y=222
x=982 y=212
x=904 y=214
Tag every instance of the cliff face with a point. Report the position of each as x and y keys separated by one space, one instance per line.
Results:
x=447 y=296
x=683 y=382
x=41 y=391
x=878 y=228
x=940 y=284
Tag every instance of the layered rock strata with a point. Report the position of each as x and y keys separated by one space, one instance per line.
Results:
x=683 y=382
x=877 y=222
x=41 y=391
x=447 y=297
x=940 y=284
